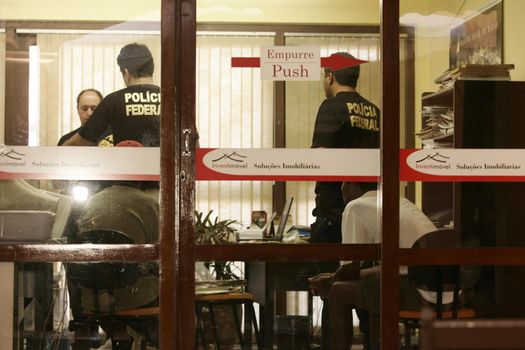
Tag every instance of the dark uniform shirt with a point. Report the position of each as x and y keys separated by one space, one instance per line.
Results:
x=347 y=120
x=106 y=140
x=133 y=114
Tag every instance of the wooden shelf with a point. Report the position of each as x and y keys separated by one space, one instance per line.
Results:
x=440 y=98
x=487 y=114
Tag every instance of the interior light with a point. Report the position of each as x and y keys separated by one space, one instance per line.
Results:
x=34 y=96
x=80 y=193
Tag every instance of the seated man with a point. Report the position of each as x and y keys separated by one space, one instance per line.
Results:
x=360 y=289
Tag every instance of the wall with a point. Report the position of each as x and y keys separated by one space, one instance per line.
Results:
x=268 y=11
x=79 y=10
x=513 y=48
x=432 y=40
x=2 y=91
x=433 y=21
x=290 y=11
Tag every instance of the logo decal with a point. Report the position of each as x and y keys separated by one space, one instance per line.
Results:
x=436 y=157
x=234 y=156
x=11 y=153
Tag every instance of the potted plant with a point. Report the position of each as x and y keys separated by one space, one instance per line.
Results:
x=208 y=231
x=217 y=232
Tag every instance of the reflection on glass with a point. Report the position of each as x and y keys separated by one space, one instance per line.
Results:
x=123 y=207
x=284 y=310
x=130 y=209
x=31 y=215
x=80 y=193
x=34 y=96
x=83 y=305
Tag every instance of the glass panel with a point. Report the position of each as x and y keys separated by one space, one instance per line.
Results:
x=241 y=111
x=238 y=107
x=287 y=310
x=466 y=100
x=56 y=66
x=459 y=62
x=55 y=305
x=485 y=292
x=2 y=78
x=49 y=54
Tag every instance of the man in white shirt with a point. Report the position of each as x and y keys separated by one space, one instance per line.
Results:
x=360 y=289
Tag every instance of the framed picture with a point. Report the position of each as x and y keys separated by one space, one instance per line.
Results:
x=478 y=40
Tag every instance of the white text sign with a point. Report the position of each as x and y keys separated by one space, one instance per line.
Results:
x=290 y=63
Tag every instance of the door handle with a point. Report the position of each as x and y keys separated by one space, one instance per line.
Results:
x=186 y=151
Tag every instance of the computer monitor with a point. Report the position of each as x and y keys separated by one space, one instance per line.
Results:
x=268 y=232
x=284 y=217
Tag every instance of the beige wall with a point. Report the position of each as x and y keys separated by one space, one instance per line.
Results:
x=513 y=47
x=268 y=11
x=432 y=41
x=290 y=11
x=80 y=10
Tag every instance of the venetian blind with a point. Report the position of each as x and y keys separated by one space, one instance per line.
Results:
x=234 y=110
x=70 y=63
x=2 y=91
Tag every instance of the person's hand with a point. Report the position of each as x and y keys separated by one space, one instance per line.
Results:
x=320 y=284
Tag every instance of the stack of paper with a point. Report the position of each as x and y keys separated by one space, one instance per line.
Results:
x=474 y=72
x=250 y=233
x=438 y=126
x=219 y=286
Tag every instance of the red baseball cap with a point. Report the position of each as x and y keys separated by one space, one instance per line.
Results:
x=129 y=143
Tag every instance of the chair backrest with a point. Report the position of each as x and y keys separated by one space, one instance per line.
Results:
x=440 y=279
x=100 y=276
x=473 y=334
x=29 y=214
x=25 y=225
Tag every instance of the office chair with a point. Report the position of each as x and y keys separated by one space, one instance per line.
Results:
x=208 y=304
x=440 y=281
x=46 y=213
x=102 y=279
